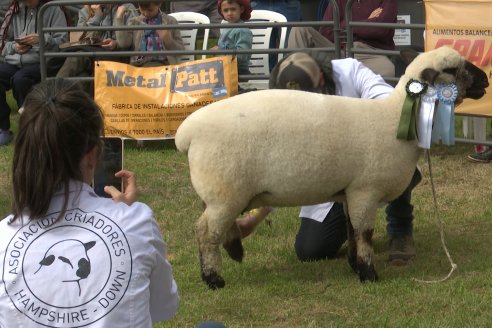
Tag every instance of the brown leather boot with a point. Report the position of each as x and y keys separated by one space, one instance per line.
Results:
x=402 y=250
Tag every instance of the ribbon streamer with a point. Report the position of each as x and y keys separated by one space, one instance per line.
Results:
x=426 y=115
x=407 y=128
x=444 y=117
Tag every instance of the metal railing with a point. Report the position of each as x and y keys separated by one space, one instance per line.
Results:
x=118 y=54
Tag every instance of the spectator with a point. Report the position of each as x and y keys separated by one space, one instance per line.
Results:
x=95 y=15
x=21 y=69
x=291 y=9
x=364 y=37
x=149 y=40
x=236 y=11
x=482 y=154
x=323 y=227
x=88 y=261
x=205 y=7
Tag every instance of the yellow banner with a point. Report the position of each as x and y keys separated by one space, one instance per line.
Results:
x=465 y=25
x=151 y=102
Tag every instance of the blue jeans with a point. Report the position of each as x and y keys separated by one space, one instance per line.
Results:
x=20 y=80
x=291 y=9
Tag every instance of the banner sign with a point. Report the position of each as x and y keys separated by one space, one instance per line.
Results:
x=466 y=26
x=151 y=102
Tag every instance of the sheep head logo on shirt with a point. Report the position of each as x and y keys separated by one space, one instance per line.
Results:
x=73 y=257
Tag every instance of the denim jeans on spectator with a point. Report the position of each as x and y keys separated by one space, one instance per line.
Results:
x=20 y=80
x=291 y=9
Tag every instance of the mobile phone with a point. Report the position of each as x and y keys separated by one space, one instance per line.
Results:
x=19 y=41
x=111 y=162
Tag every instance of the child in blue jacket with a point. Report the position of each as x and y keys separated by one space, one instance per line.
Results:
x=235 y=11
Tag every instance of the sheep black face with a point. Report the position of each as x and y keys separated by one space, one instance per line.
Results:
x=470 y=79
x=479 y=81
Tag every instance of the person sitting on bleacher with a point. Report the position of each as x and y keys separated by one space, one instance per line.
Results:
x=375 y=11
x=236 y=38
x=149 y=40
x=20 y=47
x=92 y=16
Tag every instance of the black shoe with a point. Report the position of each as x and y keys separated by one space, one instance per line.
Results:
x=485 y=157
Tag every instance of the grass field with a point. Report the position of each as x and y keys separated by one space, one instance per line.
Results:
x=273 y=289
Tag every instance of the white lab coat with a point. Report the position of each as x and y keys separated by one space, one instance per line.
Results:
x=352 y=79
x=102 y=264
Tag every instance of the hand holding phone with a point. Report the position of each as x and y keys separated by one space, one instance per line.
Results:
x=110 y=163
x=20 y=41
x=130 y=194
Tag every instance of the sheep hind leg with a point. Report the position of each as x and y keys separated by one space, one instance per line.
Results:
x=233 y=244
x=211 y=229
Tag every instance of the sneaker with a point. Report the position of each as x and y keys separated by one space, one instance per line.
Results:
x=402 y=250
x=484 y=157
x=6 y=137
x=21 y=110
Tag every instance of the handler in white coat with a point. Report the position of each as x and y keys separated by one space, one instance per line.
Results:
x=68 y=257
x=323 y=227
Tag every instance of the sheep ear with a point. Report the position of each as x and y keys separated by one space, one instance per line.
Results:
x=429 y=75
x=89 y=245
x=408 y=55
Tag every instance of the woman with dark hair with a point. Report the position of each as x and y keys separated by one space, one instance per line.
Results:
x=69 y=257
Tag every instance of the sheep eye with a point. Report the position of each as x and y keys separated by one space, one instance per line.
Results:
x=64 y=259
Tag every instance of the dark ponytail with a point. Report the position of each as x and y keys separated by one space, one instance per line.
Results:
x=59 y=125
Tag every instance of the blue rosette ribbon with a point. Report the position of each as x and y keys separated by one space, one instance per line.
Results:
x=444 y=115
x=407 y=128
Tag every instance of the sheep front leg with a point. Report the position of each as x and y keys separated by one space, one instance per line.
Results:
x=360 y=227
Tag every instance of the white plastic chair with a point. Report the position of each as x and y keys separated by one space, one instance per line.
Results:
x=189 y=36
x=261 y=40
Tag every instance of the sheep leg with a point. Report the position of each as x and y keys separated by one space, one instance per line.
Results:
x=233 y=244
x=211 y=230
x=362 y=211
x=352 y=247
x=365 y=254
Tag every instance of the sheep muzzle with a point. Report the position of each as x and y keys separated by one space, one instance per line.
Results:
x=479 y=81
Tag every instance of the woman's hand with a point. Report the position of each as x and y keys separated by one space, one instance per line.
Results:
x=165 y=36
x=121 y=11
x=98 y=9
x=108 y=44
x=30 y=39
x=376 y=13
x=22 y=48
x=130 y=190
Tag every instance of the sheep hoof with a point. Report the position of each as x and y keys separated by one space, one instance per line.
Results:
x=235 y=249
x=352 y=260
x=213 y=280
x=367 y=273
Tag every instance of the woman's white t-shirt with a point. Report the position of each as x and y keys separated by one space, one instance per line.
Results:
x=102 y=264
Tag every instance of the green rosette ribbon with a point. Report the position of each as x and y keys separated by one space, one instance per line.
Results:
x=407 y=128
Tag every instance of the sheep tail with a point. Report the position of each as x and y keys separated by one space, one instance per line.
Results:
x=183 y=137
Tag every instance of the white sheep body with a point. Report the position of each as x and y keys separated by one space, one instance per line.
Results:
x=295 y=148
x=288 y=148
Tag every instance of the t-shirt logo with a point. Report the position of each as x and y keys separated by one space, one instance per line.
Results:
x=68 y=273
x=68 y=251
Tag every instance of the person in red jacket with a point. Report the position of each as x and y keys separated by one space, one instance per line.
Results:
x=376 y=11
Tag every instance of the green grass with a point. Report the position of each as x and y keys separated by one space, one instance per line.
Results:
x=271 y=288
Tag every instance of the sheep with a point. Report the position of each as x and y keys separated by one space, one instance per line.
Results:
x=290 y=148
